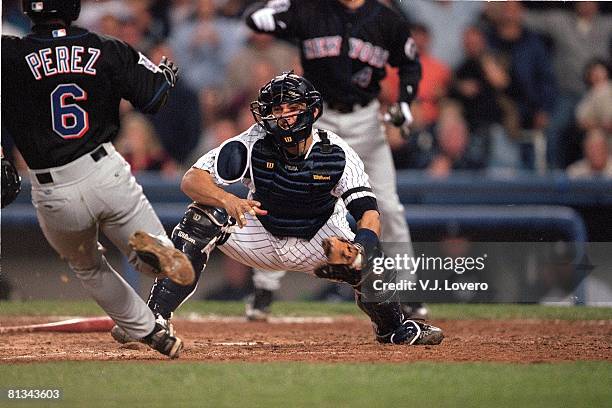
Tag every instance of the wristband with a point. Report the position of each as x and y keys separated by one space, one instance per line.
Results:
x=368 y=240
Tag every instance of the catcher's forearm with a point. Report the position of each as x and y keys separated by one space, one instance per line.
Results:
x=371 y=221
x=198 y=185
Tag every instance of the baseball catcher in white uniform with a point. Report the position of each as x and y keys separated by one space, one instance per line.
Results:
x=302 y=182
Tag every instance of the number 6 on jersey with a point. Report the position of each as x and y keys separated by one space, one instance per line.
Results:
x=69 y=120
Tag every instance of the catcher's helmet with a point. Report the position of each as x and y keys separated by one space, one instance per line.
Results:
x=287 y=88
x=41 y=10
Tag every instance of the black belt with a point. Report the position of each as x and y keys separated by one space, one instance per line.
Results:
x=344 y=107
x=96 y=155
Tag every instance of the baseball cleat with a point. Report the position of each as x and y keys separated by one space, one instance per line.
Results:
x=169 y=261
x=257 y=307
x=121 y=336
x=162 y=340
x=414 y=332
x=415 y=310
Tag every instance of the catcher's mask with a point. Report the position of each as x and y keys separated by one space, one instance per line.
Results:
x=288 y=131
x=40 y=11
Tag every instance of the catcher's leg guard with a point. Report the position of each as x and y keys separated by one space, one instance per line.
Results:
x=382 y=307
x=390 y=323
x=391 y=326
x=201 y=229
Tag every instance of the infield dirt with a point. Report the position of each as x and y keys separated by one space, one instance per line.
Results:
x=341 y=339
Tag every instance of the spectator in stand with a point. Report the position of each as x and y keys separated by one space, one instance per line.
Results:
x=205 y=44
x=179 y=124
x=233 y=8
x=139 y=145
x=436 y=75
x=110 y=24
x=578 y=36
x=130 y=21
x=179 y=12
x=239 y=93
x=253 y=65
x=597 y=160
x=595 y=109
x=137 y=25
x=472 y=88
x=131 y=32
x=93 y=12
x=416 y=150
x=481 y=83
x=447 y=20
x=533 y=87
x=245 y=119
x=453 y=148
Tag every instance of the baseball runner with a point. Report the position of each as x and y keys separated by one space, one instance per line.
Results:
x=302 y=182
x=62 y=86
x=344 y=47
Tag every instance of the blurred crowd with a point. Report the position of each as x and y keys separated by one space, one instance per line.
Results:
x=506 y=85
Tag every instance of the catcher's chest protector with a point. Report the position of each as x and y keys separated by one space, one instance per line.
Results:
x=297 y=196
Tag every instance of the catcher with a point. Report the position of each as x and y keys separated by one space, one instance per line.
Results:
x=302 y=182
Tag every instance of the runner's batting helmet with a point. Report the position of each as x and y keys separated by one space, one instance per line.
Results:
x=41 y=10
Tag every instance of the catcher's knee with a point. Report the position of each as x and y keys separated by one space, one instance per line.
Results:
x=200 y=231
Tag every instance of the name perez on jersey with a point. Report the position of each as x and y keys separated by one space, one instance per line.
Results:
x=331 y=46
x=62 y=60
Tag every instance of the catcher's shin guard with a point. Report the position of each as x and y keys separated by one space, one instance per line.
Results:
x=382 y=307
x=391 y=326
x=201 y=229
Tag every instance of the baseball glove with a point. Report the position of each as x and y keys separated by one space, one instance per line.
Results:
x=11 y=182
x=344 y=261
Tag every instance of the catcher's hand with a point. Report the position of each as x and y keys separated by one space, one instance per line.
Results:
x=344 y=261
x=11 y=182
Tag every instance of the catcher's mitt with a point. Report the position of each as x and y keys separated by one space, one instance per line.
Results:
x=344 y=261
x=11 y=182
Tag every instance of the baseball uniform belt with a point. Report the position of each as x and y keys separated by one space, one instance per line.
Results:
x=96 y=155
x=344 y=107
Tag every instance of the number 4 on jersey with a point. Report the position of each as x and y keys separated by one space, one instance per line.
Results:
x=69 y=120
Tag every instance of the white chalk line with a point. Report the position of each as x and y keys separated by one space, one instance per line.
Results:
x=198 y=318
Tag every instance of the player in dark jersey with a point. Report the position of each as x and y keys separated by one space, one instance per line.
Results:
x=61 y=89
x=344 y=48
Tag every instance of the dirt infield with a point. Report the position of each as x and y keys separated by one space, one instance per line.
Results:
x=344 y=339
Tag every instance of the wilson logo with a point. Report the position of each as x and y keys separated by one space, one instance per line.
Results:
x=319 y=177
x=269 y=165
x=186 y=237
x=288 y=139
